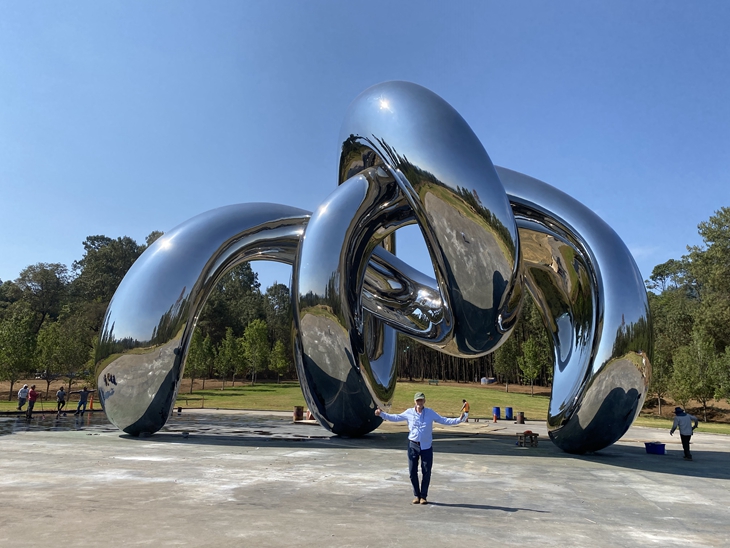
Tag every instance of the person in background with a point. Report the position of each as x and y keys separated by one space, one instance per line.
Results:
x=420 y=423
x=22 y=397
x=32 y=397
x=60 y=400
x=686 y=424
x=465 y=410
x=83 y=400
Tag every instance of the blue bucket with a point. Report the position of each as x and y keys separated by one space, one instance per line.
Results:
x=508 y=413
x=495 y=412
x=655 y=448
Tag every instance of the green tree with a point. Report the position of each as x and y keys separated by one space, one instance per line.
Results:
x=280 y=360
x=77 y=344
x=196 y=363
x=152 y=237
x=103 y=266
x=695 y=371
x=43 y=286
x=256 y=347
x=228 y=357
x=10 y=293
x=534 y=329
x=203 y=359
x=531 y=362
x=505 y=360
x=710 y=266
x=278 y=313
x=672 y=320
x=17 y=345
x=235 y=301
x=723 y=370
x=48 y=356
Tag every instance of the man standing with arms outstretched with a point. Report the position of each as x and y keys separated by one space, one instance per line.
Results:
x=420 y=423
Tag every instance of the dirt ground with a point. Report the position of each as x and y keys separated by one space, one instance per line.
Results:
x=717 y=411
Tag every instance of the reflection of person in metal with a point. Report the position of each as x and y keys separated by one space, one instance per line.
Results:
x=83 y=399
x=686 y=424
x=420 y=423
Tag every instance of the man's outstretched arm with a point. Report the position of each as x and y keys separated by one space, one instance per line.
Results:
x=445 y=421
x=388 y=417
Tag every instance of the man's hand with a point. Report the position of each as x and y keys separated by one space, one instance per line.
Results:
x=377 y=412
x=462 y=417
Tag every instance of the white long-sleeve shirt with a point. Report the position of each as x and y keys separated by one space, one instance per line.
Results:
x=684 y=422
x=420 y=424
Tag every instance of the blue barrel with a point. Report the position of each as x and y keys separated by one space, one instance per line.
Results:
x=495 y=412
x=508 y=413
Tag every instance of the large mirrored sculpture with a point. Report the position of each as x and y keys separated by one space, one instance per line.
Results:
x=407 y=157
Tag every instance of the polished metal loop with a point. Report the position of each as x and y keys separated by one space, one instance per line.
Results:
x=407 y=157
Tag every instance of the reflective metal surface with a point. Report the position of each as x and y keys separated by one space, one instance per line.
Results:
x=407 y=157
x=152 y=315
x=593 y=300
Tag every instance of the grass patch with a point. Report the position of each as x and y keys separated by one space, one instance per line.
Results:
x=271 y=397
x=445 y=399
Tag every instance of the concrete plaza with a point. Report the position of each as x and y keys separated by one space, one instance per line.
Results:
x=246 y=479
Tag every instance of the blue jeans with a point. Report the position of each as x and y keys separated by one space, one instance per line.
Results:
x=81 y=407
x=426 y=456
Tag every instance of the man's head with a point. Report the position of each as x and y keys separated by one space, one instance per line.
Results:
x=463 y=401
x=25 y=386
x=420 y=399
x=32 y=386
x=678 y=411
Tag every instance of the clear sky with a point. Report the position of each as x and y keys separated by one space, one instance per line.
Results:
x=120 y=118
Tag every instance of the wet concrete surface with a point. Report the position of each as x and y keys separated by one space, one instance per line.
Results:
x=251 y=479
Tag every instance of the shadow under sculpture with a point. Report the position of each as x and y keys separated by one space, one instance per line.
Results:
x=407 y=157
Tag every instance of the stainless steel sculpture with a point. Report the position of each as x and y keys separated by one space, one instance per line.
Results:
x=407 y=157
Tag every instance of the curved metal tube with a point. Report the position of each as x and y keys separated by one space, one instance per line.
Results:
x=593 y=300
x=152 y=315
x=407 y=157
x=456 y=198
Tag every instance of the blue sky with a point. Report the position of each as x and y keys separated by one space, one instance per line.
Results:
x=120 y=118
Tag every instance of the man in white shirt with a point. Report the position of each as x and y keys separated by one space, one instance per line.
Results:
x=22 y=397
x=420 y=423
x=686 y=424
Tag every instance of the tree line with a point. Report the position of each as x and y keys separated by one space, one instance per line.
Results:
x=690 y=304
x=50 y=315
x=50 y=318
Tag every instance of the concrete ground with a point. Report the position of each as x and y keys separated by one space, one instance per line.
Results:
x=242 y=479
